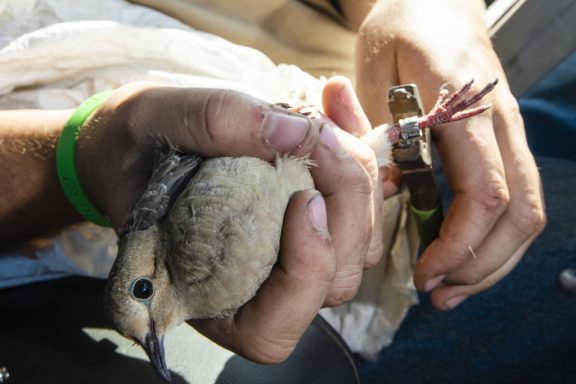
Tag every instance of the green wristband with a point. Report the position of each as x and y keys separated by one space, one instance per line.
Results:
x=66 y=160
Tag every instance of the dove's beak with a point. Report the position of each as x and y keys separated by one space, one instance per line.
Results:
x=154 y=347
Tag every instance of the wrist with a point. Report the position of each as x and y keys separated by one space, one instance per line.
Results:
x=66 y=160
x=114 y=152
x=424 y=33
x=32 y=202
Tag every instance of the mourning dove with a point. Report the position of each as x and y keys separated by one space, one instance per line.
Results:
x=205 y=234
x=199 y=243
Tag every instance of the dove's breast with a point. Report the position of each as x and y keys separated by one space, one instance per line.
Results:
x=223 y=232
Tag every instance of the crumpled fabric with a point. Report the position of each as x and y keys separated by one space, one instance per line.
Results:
x=52 y=56
x=369 y=321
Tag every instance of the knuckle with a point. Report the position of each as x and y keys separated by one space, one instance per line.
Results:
x=371 y=262
x=511 y=111
x=272 y=352
x=212 y=109
x=322 y=273
x=530 y=219
x=344 y=292
x=211 y=114
x=229 y=123
x=473 y=277
x=455 y=252
x=495 y=196
x=340 y=297
x=327 y=274
x=375 y=253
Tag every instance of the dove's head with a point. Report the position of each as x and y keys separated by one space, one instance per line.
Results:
x=139 y=297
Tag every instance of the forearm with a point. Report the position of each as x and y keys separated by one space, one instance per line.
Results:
x=32 y=202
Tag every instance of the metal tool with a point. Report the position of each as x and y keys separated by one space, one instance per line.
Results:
x=412 y=153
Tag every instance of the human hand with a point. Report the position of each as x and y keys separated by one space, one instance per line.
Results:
x=498 y=208
x=327 y=234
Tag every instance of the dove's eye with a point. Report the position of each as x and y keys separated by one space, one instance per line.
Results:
x=142 y=289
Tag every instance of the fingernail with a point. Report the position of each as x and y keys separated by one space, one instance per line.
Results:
x=433 y=283
x=454 y=302
x=317 y=213
x=328 y=137
x=284 y=132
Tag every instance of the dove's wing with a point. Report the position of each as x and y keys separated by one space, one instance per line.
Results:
x=172 y=171
x=223 y=233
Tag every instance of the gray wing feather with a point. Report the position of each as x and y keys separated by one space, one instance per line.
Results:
x=171 y=173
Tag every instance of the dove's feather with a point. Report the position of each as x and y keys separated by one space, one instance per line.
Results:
x=223 y=232
x=172 y=171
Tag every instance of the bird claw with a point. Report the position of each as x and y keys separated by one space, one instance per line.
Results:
x=449 y=109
